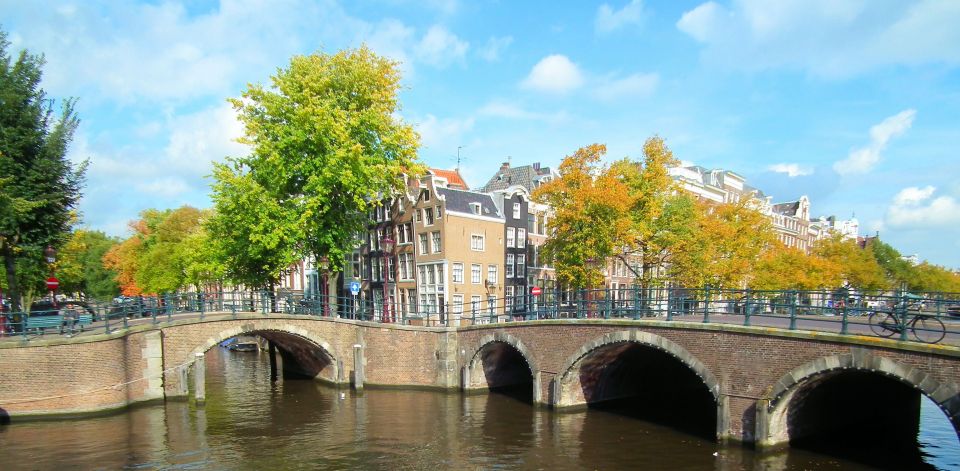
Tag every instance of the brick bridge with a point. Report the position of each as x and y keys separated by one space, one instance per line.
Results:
x=752 y=384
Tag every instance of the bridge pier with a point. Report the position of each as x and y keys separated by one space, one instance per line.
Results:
x=358 y=375
x=199 y=379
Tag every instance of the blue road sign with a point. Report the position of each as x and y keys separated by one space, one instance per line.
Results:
x=354 y=288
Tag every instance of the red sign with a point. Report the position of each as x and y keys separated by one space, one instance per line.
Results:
x=535 y=291
x=53 y=283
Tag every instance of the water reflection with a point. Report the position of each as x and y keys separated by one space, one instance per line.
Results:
x=250 y=423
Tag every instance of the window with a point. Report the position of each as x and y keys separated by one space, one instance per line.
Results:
x=425 y=194
x=531 y=223
x=508 y=298
x=431 y=274
x=457 y=304
x=474 y=303
x=475 y=273
x=516 y=210
x=491 y=274
x=475 y=208
x=428 y=217
x=390 y=269
x=423 y=244
x=521 y=269
x=422 y=270
x=436 y=241
x=511 y=235
x=476 y=242
x=356 y=265
x=521 y=238
x=402 y=261
x=458 y=273
x=509 y=267
x=491 y=303
x=439 y=213
x=409 y=268
x=377 y=267
x=418 y=215
x=403 y=234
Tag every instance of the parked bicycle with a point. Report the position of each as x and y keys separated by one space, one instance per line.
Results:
x=925 y=328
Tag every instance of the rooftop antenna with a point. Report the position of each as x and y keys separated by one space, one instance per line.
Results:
x=458 y=157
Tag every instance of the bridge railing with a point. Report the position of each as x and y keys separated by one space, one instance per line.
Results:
x=839 y=311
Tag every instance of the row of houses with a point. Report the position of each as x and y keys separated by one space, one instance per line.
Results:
x=444 y=249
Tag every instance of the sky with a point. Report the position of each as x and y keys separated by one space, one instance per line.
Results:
x=855 y=104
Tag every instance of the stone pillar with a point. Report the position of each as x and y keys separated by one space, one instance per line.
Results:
x=199 y=378
x=152 y=354
x=358 y=374
x=272 y=351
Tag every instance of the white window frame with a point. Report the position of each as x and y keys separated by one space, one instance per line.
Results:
x=435 y=241
x=492 y=274
x=476 y=273
x=458 y=272
x=424 y=249
x=477 y=242
x=509 y=268
x=521 y=270
x=521 y=238
x=516 y=210
x=511 y=236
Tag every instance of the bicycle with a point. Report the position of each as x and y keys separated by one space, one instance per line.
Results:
x=926 y=329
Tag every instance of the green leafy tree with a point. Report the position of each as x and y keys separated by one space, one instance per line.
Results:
x=898 y=271
x=41 y=187
x=857 y=266
x=326 y=145
x=80 y=266
x=934 y=278
x=782 y=268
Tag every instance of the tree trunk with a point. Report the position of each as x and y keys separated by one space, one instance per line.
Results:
x=13 y=291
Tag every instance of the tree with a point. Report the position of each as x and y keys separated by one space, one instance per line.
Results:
x=40 y=185
x=934 y=278
x=858 y=267
x=326 y=145
x=898 y=270
x=782 y=268
x=725 y=248
x=591 y=220
x=80 y=266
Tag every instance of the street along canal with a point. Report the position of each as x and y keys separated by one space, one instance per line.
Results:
x=249 y=423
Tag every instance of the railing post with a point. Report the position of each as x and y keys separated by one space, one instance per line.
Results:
x=124 y=315
x=746 y=309
x=203 y=306
x=793 y=310
x=636 y=301
x=669 y=304
x=706 y=305
x=609 y=303
x=106 y=320
x=844 y=321
x=903 y=318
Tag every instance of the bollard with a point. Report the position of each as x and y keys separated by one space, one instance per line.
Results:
x=199 y=380
x=358 y=367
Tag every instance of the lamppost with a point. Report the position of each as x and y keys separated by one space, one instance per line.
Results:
x=591 y=265
x=324 y=262
x=387 y=244
x=50 y=254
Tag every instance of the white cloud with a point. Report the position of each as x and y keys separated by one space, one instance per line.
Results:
x=826 y=38
x=164 y=187
x=439 y=47
x=443 y=133
x=792 y=170
x=636 y=85
x=915 y=208
x=609 y=20
x=554 y=74
x=863 y=159
x=494 y=46
x=200 y=138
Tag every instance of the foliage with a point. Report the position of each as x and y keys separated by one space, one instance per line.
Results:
x=80 y=266
x=898 y=270
x=858 y=267
x=326 y=145
x=725 y=247
x=162 y=253
x=929 y=277
x=40 y=186
x=782 y=268
x=591 y=218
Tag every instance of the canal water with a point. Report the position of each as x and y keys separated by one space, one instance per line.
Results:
x=249 y=423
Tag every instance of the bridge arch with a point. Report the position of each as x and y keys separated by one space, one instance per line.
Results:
x=495 y=361
x=567 y=382
x=778 y=420
x=311 y=355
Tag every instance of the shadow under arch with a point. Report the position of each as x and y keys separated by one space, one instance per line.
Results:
x=643 y=375
x=304 y=355
x=856 y=395
x=500 y=362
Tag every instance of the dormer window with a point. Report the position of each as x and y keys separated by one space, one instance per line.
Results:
x=475 y=208
x=425 y=194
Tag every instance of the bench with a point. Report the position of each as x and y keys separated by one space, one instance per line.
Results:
x=41 y=323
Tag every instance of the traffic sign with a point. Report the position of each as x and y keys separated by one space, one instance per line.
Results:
x=53 y=283
x=535 y=291
x=354 y=288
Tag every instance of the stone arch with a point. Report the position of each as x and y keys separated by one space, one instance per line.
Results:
x=771 y=427
x=252 y=328
x=565 y=380
x=473 y=368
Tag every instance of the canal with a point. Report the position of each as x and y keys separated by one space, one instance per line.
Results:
x=249 y=423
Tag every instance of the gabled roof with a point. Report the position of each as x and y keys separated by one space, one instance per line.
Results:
x=787 y=209
x=459 y=201
x=453 y=178
x=527 y=176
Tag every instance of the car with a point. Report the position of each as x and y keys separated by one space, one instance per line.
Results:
x=953 y=311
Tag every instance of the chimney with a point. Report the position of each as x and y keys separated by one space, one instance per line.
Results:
x=504 y=166
x=536 y=166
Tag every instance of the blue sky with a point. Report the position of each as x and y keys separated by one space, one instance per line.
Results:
x=853 y=103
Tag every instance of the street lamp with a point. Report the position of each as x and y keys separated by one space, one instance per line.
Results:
x=50 y=254
x=324 y=262
x=386 y=244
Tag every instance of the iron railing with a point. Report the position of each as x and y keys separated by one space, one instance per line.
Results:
x=832 y=311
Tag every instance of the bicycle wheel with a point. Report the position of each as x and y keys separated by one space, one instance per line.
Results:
x=883 y=324
x=928 y=329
